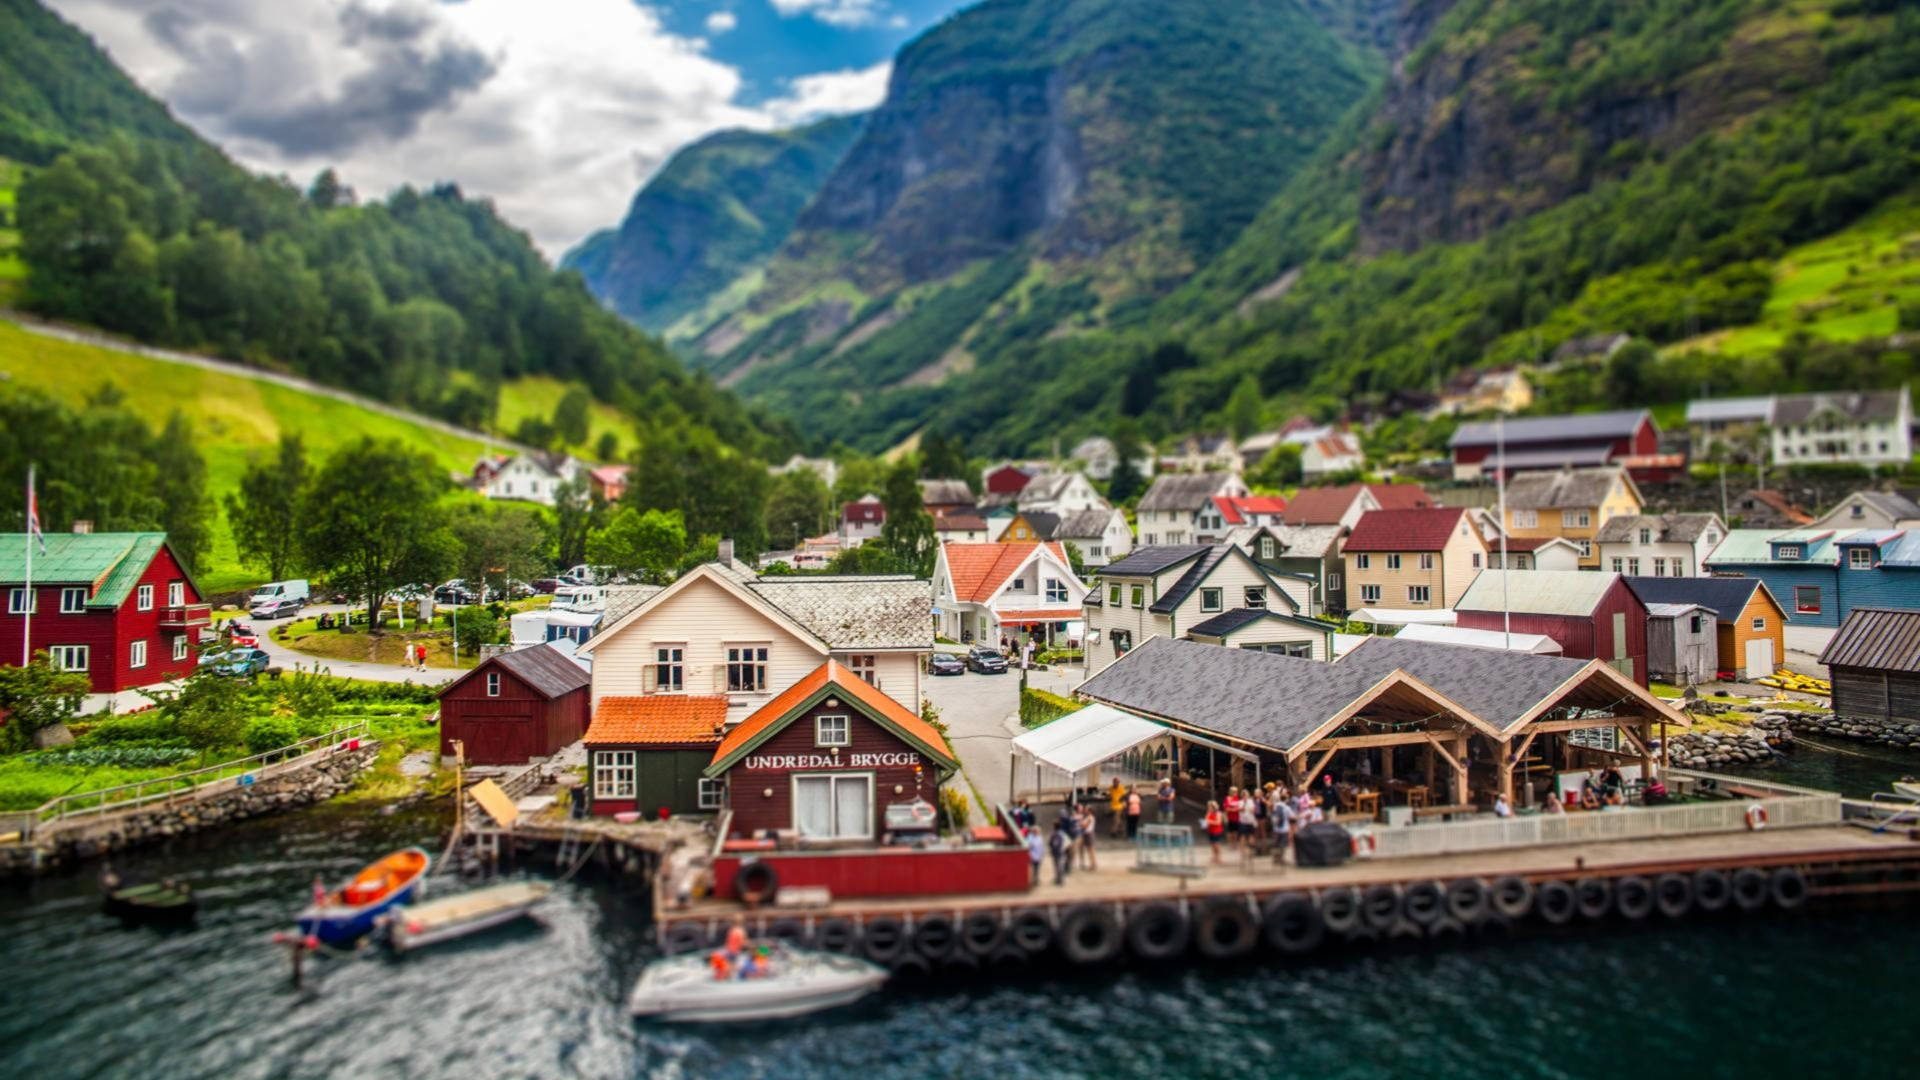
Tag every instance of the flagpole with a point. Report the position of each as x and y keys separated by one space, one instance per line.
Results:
x=1500 y=485
x=26 y=626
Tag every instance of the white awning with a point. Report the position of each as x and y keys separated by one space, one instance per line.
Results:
x=1482 y=639
x=1082 y=739
x=1394 y=617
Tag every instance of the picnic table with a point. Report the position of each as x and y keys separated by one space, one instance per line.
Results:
x=1445 y=812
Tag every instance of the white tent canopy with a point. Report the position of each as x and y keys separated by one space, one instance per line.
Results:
x=1083 y=739
x=1481 y=639
x=1408 y=617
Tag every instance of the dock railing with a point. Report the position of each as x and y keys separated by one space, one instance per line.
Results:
x=1783 y=806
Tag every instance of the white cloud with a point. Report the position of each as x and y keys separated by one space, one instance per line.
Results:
x=556 y=115
x=722 y=21
x=835 y=12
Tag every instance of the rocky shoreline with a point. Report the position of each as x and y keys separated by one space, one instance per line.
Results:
x=1760 y=744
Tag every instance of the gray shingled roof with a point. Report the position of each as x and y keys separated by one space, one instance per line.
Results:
x=1561 y=489
x=1182 y=491
x=855 y=612
x=1149 y=561
x=1579 y=427
x=1045 y=525
x=1045 y=486
x=1084 y=525
x=1667 y=528
x=1228 y=621
x=946 y=493
x=1865 y=406
x=624 y=598
x=1538 y=592
x=1204 y=568
x=1891 y=503
x=1728 y=596
x=1496 y=685
x=542 y=667
x=1878 y=639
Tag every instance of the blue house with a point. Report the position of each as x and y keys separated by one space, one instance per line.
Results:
x=1822 y=575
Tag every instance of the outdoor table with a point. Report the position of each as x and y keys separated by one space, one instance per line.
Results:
x=1367 y=802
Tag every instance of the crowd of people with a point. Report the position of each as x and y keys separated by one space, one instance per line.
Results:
x=1247 y=820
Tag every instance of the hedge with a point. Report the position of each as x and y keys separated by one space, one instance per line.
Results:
x=1037 y=707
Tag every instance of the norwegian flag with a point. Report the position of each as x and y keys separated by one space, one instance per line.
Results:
x=33 y=515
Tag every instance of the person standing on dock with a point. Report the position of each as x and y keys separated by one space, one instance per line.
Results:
x=1281 y=816
x=1084 y=842
x=1036 y=851
x=1134 y=808
x=1117 y=802
x=1215 y=826
x=1061 y=844
x=1230 y=810
x=1165 y=797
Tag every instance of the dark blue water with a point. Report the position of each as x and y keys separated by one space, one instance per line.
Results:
x=1815 y=994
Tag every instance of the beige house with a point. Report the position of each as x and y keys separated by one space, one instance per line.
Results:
x=1171 y=510
x=1173 y=590
x=1659 y=545
x=723 y=629
x=1413 y=559
x=1572 y=504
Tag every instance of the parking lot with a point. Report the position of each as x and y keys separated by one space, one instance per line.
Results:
x=982 y=717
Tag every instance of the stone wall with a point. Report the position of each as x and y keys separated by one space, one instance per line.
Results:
x=1883 y=732
x=85 y=840
x=1769 y=733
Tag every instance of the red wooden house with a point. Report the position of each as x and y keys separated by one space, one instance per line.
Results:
x=1591 y=615
x=118 y=606
x=1553 y=442
x=1007 y=479
x=650 y=752
x=515 y=707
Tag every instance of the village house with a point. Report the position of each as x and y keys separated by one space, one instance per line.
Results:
x=1343 y=505
x=1485 y=390
x=1029 y=527
x=1332 y=453
x=1530 y=552
x=1171 y=590
x=1749 y=624
x=1874 y=662
x=827 y=469
x=988 y=592
x=1870 y=510
x=646 y=754
x=608 y=483
x=119 y=607
x=1758 y=508
x=1239 y=511
x=1100 y=535
x=1821 y=575
x=960 y=526
x=1591 y=616
x=1659 y=545
x=946 y=496
x=1552 y=442
x=1725 y=428
x=515 y=706
x=1001 y=482
x=1170 y=512
x=1401 y=560
x=1097 y=455
x=1308 y=552
x=1060 y=493
x=1873 y=427
x=532 y=477
x=861 y=520
x=1683 y=645
x=1202 y=454
x=1570 y=503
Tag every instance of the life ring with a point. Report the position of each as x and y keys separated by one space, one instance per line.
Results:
x=1789 y=888
x=1593 y=896
x=1089 y=934
x=1363 y=844
x=1756 y=817
x=1293 y=925
x=757 y=883
x=1512 y=896
x=1158 y=931
x=1340 y=908
x=1424 y=902
x=884 y=940
x=1467 y=900
x=1750 y=888
x=1672 y=895
x=1031 y=931
x=835 y=936
x=1554 y=901
x=1226 y=928
x=1711 y=889
x=934 y=937
x=1633 y=897
x=982 y=933
x=1380 y=906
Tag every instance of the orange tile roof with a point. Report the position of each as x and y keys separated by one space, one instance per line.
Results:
x=1042 y=615
x=978 y=570
x=692 y=719
x=874 y=703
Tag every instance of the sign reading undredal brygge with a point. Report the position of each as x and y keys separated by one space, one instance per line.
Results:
x=830 y=761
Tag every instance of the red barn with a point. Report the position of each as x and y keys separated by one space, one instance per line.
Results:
x=1553 y=442
x=516 y=707
x=118 y=606
x=1008 y=479
x=1590 y=615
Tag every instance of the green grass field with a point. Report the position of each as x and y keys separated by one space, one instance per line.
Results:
x=12 y=270
x=234 y=417
x=535 y=396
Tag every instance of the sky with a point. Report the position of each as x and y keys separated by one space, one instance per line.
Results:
x=557 y=110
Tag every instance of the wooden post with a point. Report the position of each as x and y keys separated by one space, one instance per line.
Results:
x=1427 y=764
x=1460 y=769
x=1386 y=763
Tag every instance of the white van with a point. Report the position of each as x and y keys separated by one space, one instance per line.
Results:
x=275 y=592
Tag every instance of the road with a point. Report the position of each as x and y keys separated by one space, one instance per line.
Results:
x=292 y=660
x=982 y=714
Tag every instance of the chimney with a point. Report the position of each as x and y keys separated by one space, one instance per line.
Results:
x=82 y=527
x=726 y=553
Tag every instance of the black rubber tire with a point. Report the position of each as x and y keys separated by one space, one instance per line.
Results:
x=1593 y=897
x=1340 y=908
x=1751 y=888
x=1495 y=925
x=908 y=967
x=1512 y=896
x=1360 y=935
x=1467 y=900
x=685 y=938
x=836 y=936
x=1405 y=930
x=884 y=939
x=1553 y=901
x=1293 y=925
x=934 y=937
x=1158 y=930
x=1423 y=902
x=1224 y=928
x=1789 y=888
x=1009 y=958
x=1672 y=895
x=1633 y=897
x=1089 y=934
x=788 y=931
x=1380 y=906
x=1712 y=889
x=757 y=883
x=960 y=962
x=982 y=933
x=1446 y=926
x=1031 y=932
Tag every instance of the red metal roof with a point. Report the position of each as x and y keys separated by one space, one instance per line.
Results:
x=864 y=511
x=875 y=704
x=1235 y=509
x=978 y=570
x=1404 y=530
x=687 y=719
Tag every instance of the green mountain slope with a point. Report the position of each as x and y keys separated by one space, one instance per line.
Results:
x=714 y=213
x=58 y=91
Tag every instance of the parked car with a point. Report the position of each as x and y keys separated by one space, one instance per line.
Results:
x=518 y=590
x=455 y=592
x=547 y=585
x=241 y=662
x=986 y=660
x=276 y=609
x=946 y=663
x=274 y=591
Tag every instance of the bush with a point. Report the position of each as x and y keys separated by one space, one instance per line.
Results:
x=150 y=726
x=266 y=733
x=1038 y=707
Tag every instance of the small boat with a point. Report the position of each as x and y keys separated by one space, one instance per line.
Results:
x=167 y=901
x=414 y=926
x=683 y=989
x=1907 y=786
x=349 y=912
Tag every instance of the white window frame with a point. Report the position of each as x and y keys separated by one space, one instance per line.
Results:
x=1803 y=609
x=1586 y=548
x=70 y=657
x=1056 y=591
x=1789 y=551
x=712 y=792
x=1362 y=561
x=866 y=667
x=1419 y=594
x=669 y=657
x=137 y=653
x=144 y=598
x=1393 y=561
x=493 y=684
x=1333 y=581
x=1213 y=599
x=1426 y=560
x=1115 y=599
x=616 y=774
x=1019 y=585
x=747 y=667
x=1369 y=594
x=179 y=646
x=176 y=594
x=1139 y=597
x=1266 y=547
x=1526 y=519
x=18 y=601
x=1859 y=558
x=834 y=780
x=1122 y=641
x=1759 y=622
x=821 y=736
x=1633 y=566
x=1255 y=597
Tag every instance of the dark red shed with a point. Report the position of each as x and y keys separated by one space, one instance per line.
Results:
x=515 y=707
x=1590 y=614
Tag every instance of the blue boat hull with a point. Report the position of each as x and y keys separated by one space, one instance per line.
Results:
x=344 y=926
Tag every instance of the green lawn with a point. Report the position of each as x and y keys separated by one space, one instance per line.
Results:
x=535 y=397
x=12 y=270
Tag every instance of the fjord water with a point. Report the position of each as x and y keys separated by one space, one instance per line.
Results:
x=82 y=997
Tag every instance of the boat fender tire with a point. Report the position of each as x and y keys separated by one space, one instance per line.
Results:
x=1495 y=925
x=1380 y=906
x=1405 y=930
x=1225 y=928
x=1293 y=925
x=1554 y=902
x=790 y=931
x=934 y=937
x=1789 y=888
x=1009 y=958
x=1361 y=934
x=884 y=939
x=1089 y=934
x=1467 y=900
x=1672 y=895
x=757 y=883
x=982 y=933
x=1424 y=902
x=1512 y=896
x=1633 y=897
x=1750 y=888
x=910 y=967
x=835 y=936
x=1032 y=932
x=1593 y=897
x=1712 y=891
x=960 y=962
x=1340 y=908
x=1446 y=926
x=1158 y=931
x=685 y=938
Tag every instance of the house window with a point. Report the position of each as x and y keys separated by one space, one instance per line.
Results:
x=864 y=665
x=137 y=655
x=1526 y=519
x=1806 y=599
x=1300 y=649
x=1113 y=596
x=1646 y=536
x=180 y=646
x=832 y=731
x=1860 y=558
x=1856 y=510
x=1266 y=547
x=613 y=774
x=1619 y=565
x=1520 y=561
x=1789 y=551
x=73 y=601
x=1056 y=591
x=1476 y=560
x=17 y=600
x=1333 y=581
x=1139 y=596
x=68 y=657
x=1582 y=519
x=1256 y=596
x=1019 y=584
x=1426 y=561
x=1694 y=624
x=145 y=594
x=1633 y=567
x=833 y=806
x=1369 y=594
x=493 y=684
x=1122 y=641
x=669 y=668
x=1419 y=594
x=1659 y=567
x=1211 y=599
x=713 y=793
x=176 y=593
x=1393 y=561
x=1363 y=562
x=747 y=668
x=1586 y=548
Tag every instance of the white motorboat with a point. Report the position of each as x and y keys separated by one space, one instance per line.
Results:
x=417 y=925
x=684 y=989
x=1907 y=786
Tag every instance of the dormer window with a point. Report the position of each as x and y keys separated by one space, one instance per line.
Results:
x=1856 y=510
x=1266 y=547
x=1788 y=551
x=1859 y=558
x=1646 y=536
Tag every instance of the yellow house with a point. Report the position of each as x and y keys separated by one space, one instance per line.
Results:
x=1030 y=527
x=1571 y=504
x=1412 y=559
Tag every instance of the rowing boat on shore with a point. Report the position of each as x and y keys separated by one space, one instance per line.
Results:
x=416 y=926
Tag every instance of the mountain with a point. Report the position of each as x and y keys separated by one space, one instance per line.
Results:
x=714 y=213
x=58 y=91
